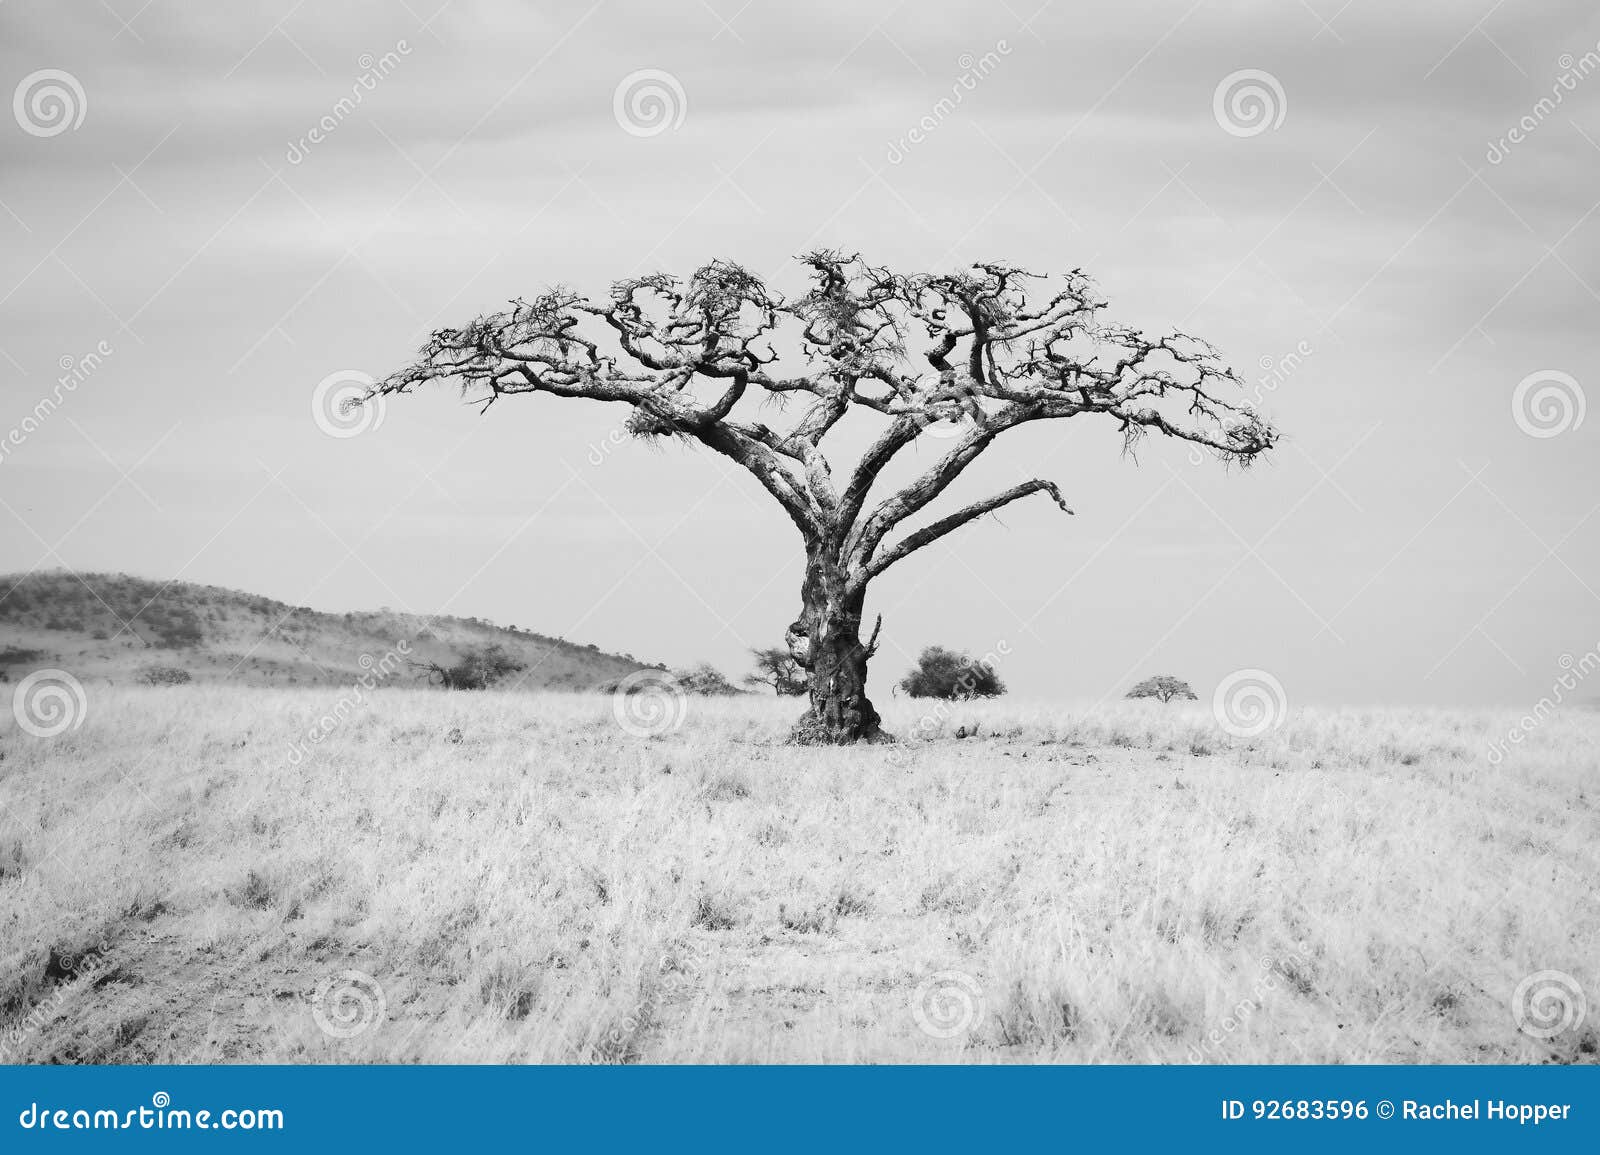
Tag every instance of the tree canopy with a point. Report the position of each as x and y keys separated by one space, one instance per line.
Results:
x=1163 y=688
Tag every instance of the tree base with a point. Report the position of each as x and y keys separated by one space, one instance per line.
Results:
x=811 y=730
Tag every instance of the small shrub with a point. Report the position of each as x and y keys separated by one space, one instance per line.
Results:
x=714 y=912
x=508 y=989
x=164 y=676
x=804 y=922
x=1038 y=1016
x=256 y=892
x=847 y=903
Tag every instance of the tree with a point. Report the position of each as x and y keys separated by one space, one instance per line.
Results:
x=955 y=677
x=1163 y=687
x=776 y=667
x=478 y=668
x=996 y=348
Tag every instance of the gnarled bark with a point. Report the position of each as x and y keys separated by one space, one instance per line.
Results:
x=825 y=640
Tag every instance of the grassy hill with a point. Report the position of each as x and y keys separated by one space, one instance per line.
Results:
x=113 y=626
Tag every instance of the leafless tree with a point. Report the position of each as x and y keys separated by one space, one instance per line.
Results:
x=980 y=352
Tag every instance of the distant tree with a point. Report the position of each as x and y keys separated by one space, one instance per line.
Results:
x=478 y=668
x=1163 y=687
x=955 y=677
x=776 y=667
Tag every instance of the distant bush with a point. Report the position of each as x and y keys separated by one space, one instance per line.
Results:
x=955 y=677
x=164 y=676
x=705 y=679
x=16 y=656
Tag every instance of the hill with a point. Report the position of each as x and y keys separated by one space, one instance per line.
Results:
x=114 y=626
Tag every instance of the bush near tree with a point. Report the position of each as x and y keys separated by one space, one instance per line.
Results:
x=952 y=676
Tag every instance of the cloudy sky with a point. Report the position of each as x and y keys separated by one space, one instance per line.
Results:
x=1391 y=232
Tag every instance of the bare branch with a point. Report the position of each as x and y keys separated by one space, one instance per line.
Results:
x=945 y=525
x=1003 y=346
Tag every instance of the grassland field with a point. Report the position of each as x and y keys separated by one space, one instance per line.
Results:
x=498 y=877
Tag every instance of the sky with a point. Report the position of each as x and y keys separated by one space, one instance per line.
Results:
x=1380 y=213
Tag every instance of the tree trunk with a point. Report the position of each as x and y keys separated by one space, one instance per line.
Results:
x=826 y=642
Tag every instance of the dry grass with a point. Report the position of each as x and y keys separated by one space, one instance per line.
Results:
x=527 y=882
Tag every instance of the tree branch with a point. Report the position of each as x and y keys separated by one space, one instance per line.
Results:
x=945 y=525
x=999 y=350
